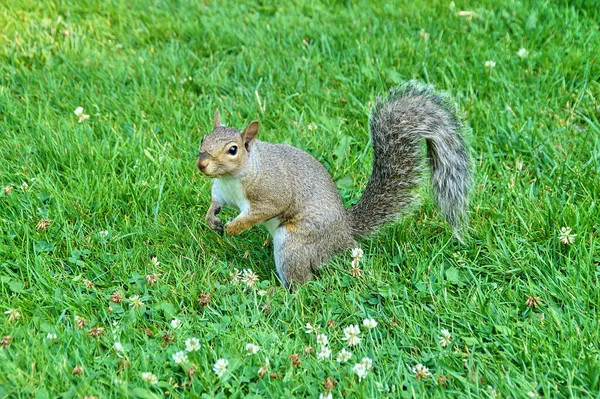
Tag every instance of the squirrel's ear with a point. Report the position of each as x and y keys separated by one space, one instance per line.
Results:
x=217 y=118
x=249 y=134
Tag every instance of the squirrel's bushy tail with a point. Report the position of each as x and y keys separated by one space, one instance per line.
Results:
x=410 y=114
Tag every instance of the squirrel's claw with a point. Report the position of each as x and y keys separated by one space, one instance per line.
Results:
x=216 y=225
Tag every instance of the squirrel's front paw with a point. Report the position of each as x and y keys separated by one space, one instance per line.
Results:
x=216 y=225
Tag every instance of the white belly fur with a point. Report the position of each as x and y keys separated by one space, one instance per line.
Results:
x=272 y=225
x=278 y=240
x=229 y=191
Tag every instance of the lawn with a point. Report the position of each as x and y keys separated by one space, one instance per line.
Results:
x=112 y=285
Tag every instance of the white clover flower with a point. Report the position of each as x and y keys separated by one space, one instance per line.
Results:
x=252 y=349
x=522 y=53
x=220 y=367
x=236 y=277
x=149 y=378
x=490 y=64
x=566 y=237
x=82 y=117
x=367 y=362
x=326 y=395
x=155 y=261
x=180 y=357
x=420 y=371
x=24 y=186
x=325 y=353
x=51 y=336
x=249 y=277
x=357 y=253
x=312 y=126
x=322 y=340
x=192 y=344
x=261 y=292
x=176 y=323
x=103 y=233
x=370 y=323
x=119 y=347
x=135 y=302
x=351 y=335
x=13 y=314
x=309 y=329
x=343 y=356
x=360 y=370
x=445 y=337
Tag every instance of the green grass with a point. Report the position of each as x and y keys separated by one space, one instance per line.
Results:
x=150 y=75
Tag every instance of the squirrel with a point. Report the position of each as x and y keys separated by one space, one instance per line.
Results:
x=294 y=197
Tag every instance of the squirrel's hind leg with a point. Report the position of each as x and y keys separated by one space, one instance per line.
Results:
x=299 y=255
x=293 y=259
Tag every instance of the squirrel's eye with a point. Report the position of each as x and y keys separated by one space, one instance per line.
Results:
x=232 y=150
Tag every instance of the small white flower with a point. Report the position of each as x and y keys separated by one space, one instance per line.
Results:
x=326 y=395
x=325 y=353
x=236 y=277
x=312 y=126
x=13 y=314
x=252 y=349
x=176 y=323
x=522 y=53
x=566 y=237
x=119 y=347
x=343 y=356
x=322 y=340
x=150 y=378
x=155 y=261
x=370 y=323
x=103 y=233
x=360 y=370
x=261 y=292
x=135 y=302
x=445 y=337
x=357 y=253
x=309 y=329
x=367 y=362
x=420 y=371
x=82 y=117
x=180 y=357
x=51 y=336
x=24 y=186
x=220 y=367
x=351 y=335
x=249 y=277
x=490 y=64
x=192 y=344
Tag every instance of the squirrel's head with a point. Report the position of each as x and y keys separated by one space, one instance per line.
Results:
x=225 y=151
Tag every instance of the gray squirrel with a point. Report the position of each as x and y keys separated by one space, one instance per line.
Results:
x=290 y=192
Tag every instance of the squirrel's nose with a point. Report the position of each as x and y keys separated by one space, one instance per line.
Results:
x=202 y=162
